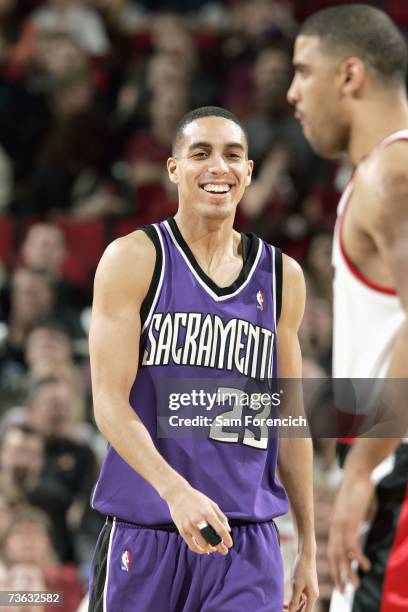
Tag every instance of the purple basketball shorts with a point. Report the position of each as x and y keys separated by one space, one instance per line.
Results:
x=143 y=569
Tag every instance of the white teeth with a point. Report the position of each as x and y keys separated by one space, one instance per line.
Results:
x=217 y=188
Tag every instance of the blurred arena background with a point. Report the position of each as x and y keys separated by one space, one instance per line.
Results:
x=90 y=92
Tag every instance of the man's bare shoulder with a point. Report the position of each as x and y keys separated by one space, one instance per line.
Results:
x=128 y=261
x=382 y=186
x=387 y=171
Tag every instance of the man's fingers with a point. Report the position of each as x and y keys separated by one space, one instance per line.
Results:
x=351 y=574
x=220 y=528
x=363 y=561
x=352 y=556
x=302 y=603
x=335 y=570
x=296 y=598
x=201 y=542
x=202 y=548
x=190 y=540
x=221 y=517
x=311 y=600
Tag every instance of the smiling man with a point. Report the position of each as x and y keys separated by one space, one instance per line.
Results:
x=190 y=299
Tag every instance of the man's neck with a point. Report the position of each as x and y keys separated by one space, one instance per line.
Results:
x=211 y=241
x=375 y=120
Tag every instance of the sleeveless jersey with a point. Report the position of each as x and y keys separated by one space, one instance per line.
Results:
x=367 y=317
x=196 y=333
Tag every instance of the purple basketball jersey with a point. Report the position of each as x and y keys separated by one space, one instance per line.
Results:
x=194 y=330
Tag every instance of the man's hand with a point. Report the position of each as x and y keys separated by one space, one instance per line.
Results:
x=188 y=508
x=305 y=590
x=350 y=511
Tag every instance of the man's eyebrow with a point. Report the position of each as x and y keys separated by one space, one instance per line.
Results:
x=208 y=145
x=235 y=145
x=200 y=145
x=299 y=66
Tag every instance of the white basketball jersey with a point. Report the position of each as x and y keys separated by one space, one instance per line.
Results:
x=367 y=317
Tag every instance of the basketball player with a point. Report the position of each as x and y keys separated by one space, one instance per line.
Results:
x=349 y=95
x=190 y=298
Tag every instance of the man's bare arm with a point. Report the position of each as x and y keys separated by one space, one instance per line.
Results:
x=295 y=454
x=121 y=284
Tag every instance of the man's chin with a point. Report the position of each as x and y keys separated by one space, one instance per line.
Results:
x=323 y=150
x=217 y=210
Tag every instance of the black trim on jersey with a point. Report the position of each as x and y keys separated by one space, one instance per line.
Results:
x=278 y=282
x=250 y=245
x=150 y=231
x=99 y=569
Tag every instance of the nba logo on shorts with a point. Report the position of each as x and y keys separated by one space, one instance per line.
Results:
x=260 y=299
x=125 y=560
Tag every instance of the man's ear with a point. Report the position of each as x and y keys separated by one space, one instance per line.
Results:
x=353 y=74
x=172 y=170
x=250 y=167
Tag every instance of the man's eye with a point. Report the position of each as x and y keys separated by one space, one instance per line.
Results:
x=200 y=155
x=234 y=156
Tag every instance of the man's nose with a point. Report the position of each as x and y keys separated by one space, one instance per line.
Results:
x=218 y=165
x=292 y=95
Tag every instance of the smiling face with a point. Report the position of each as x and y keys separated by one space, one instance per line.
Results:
x=317 y=93
x=210 y=167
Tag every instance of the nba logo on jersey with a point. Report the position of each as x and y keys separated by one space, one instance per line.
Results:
x=260 y=300
x=125 y=560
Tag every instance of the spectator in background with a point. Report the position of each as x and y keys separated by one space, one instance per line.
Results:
x=73 y=167
x=48 y=352
x=31 y=297
x=283 y=160
x=172 y=37
x=63 y=484
x=25 y=577
x=44 y=249
x=56 y=54
x=75 y=18
x=21 y=462
x=70 y=462
x=147 y=152
x=28 y=546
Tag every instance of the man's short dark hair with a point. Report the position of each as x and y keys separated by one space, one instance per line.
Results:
x=365 y=32
x=200 y=113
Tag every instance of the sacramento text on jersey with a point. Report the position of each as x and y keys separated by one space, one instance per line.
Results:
x=196 y=339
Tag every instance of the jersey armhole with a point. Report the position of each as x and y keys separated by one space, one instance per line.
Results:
x=151 y=295
x=278 y=283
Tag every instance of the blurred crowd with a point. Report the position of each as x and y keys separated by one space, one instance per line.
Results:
x=90 y=93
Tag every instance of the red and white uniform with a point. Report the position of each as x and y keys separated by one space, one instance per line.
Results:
x=367 y=317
